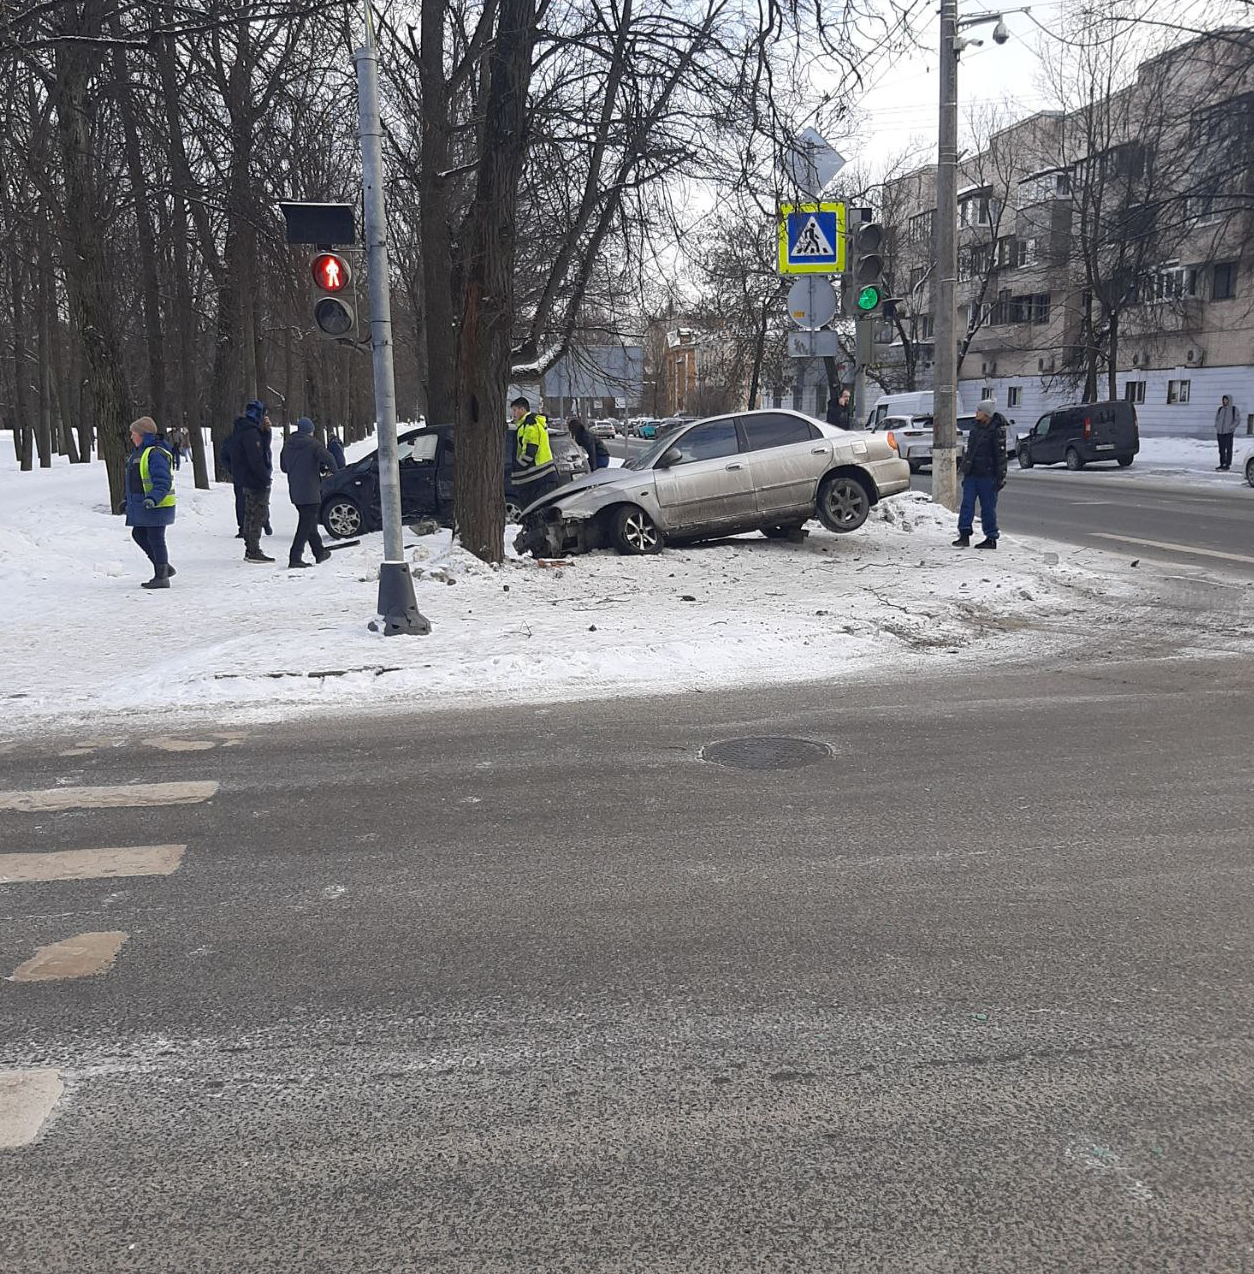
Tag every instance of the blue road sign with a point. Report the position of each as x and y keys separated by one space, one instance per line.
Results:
x=812 y=238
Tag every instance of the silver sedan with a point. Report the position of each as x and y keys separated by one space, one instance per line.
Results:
x=769 y=471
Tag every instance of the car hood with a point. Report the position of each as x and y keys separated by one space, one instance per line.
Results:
x=597 y=478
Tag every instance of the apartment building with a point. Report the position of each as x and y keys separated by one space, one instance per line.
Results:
x=1112 y=242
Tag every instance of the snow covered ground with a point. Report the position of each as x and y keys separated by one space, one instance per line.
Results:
x=235 y=643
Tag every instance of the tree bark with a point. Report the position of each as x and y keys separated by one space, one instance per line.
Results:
x=487 y=312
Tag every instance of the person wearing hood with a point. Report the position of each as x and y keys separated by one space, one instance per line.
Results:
x=336 y=448
x=150 y=498
x=303 y=458
x=598 y=453
x=983 y=475
x=251 y=468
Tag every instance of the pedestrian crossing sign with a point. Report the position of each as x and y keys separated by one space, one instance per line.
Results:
x=812 y=238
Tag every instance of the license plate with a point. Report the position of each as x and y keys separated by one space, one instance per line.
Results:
x=1104 y=446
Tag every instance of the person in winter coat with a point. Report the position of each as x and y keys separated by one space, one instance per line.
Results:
x=534 y=473
x=150 y=498
x=838 y=410
x=983 y=475
x=251 y=468
x=598 y=452
x=303 y=458
x=230 y=444
x=1226 y=420
x=336 y=448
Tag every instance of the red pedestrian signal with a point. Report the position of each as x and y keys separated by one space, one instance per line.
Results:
x=333 y=315
x=331 y=272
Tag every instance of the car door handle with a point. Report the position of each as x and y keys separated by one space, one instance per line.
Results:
x=818 y=451
x=735 y=466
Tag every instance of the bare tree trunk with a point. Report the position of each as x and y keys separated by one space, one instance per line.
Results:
x=47 y=441
x=1112 y=365
x=23 y=433
x=487 y=313
x=435 y=216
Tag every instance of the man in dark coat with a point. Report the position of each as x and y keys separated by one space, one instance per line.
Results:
x=336 y=448
x=227 y=455
x=838 y=411
x=983 y=475
x=251 y=468
x=598 y=453
x=303 y=458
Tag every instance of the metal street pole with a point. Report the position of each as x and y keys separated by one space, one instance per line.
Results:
x=398 y=607
x=864 y=355
x=945 y=388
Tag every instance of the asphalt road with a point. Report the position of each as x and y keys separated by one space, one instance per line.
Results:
x=1106 y=508
x=543 y=990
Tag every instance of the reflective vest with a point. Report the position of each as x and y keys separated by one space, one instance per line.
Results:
x=532 y=433
x=146 y=479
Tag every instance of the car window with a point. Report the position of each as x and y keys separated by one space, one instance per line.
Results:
x=1059 y=422
x=419 y=450
x=1042 y=425
x=707 y=442
x=763 y=432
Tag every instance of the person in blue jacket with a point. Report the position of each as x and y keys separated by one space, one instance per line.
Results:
x=150 y=498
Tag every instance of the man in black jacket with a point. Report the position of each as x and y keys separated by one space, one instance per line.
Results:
x=983 y=475
x=303 y=458
x=251 y=468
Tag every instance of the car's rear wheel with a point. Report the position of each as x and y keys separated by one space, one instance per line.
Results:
x=342 y=518
x=1025 y=458
x=1249 y=471
x=843 y=503
x=1073 y=459
x=1124 y=461
x=634 y=533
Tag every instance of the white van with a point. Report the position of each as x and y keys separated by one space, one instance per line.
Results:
x=918 y=403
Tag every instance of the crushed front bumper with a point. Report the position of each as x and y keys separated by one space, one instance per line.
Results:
x=549 y=532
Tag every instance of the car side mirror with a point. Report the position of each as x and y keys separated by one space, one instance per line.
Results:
x=672 y=455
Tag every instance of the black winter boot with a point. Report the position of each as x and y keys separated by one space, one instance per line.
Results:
x=963 y=541
x=987 y=544
x=160 y=579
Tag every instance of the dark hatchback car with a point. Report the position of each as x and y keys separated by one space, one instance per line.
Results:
x=1076 y=436
x=350 y=498
x=351 y=503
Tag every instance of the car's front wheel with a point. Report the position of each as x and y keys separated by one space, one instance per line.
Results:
x=342 y=518
x=1025 y=458
x=1249 y=471
x=843 y=503
x=634 y=533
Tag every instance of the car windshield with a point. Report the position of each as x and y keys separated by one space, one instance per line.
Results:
x=648 y=457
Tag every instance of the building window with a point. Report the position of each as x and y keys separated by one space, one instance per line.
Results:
x=777 y=397
x=1013 y=396
x=1025 y=252
x=820 y=400
x=1170 y=282
x=921 y=226
x=1006 y=254
x=926 y=327
x=1134 y=391
x=1205 y=207
x=988 y=392
x=1044 y=187
x=978 y=210
x=1178 y=391
x=798 y=397
x=917 y=274
x=1223 y=286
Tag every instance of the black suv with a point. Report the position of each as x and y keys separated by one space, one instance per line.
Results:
x=350 y=498
x=1076 y=436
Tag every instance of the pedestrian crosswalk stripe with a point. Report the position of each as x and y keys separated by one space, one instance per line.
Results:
x=90 y=864
x=27 y=1098
x=82 y=956
x=129 y=796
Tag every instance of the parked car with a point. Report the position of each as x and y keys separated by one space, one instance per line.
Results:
x=913 y=403
x=603 y=428
x=350 y=498
x=912 y=437
x=647 y=428
x=1077 y=436
x=769 y=471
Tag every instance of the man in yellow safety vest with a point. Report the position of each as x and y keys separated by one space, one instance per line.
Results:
x=534 y=473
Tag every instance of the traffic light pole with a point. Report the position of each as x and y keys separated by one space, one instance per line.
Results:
x=945 y=388
x=864 y=355
x=398 y=607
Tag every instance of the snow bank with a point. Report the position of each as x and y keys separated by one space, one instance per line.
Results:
x=246 y=642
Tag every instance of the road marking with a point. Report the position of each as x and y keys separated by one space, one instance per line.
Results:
x=27 y=1098
x=166 y=744
x=82 y=956
x=1175 y=548
x=90 y=864
x=128 y=796
x=1089 y=504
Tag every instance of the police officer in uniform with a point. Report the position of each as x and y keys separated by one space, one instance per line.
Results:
x=534 y=474
x=150 y=498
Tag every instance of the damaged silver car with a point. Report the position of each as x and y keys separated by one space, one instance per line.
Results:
x=769 y=471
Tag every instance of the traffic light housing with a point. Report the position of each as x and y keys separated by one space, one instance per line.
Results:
x=868 y=264
x=333 y=315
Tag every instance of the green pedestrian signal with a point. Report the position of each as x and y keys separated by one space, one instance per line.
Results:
x=868 y=298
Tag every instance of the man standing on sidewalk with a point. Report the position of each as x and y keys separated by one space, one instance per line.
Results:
x=303 y=458
x=251 y=467
x=1225 y=426
x=983 y=475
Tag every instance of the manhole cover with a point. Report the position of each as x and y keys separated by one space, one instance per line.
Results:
x=766 y=754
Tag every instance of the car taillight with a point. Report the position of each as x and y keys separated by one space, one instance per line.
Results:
x=891 y=439
x=1088 y=428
